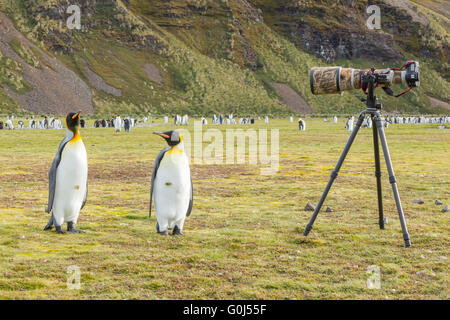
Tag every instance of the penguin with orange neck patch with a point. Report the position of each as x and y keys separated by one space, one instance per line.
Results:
x=171 y=185
x=68 y=179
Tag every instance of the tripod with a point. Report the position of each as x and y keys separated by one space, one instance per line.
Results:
x=373 y=109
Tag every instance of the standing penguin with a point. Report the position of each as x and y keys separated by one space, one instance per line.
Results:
x=117 y=123
x=349 y=124
x=171 y=185
x=68 y=179
x=127 y=124
x=301 y=124
x=9 y=124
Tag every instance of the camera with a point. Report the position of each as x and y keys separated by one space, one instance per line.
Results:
x=329 y=80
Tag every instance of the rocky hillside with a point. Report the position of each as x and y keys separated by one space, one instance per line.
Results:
x=204 y=56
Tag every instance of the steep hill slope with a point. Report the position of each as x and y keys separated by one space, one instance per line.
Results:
x=204 y=56
x=46 y=82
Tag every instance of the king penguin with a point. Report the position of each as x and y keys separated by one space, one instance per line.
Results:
x=171 y=185
x=68 y=179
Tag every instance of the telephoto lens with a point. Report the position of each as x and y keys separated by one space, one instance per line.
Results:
x=329 y=80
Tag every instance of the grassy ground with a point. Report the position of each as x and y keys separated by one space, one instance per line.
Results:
x=243 y=239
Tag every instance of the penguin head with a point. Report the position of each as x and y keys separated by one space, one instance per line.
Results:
x=172 y=137
x=73 y=121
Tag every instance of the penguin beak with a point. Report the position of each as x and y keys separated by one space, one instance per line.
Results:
x=76 y=115
x=165 y=136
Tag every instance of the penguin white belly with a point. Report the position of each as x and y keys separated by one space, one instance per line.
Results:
x=172 y=189
x=71 y=178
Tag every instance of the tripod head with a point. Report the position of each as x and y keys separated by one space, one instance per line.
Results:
x=371 y=81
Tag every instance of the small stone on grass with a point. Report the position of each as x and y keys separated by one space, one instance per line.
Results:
x=310 y=206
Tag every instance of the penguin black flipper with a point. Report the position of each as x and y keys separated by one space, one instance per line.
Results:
x=191 y=200
x=52 y=173
x=49 y=223
x=155 y=170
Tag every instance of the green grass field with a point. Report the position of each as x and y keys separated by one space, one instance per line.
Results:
x=243 y=239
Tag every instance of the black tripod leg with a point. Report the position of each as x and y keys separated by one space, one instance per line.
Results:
x=334 y=173
x=392 y=180
x=378 y=172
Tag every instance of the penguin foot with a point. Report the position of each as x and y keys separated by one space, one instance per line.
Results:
x=59 y=230
x=163 y=233
x=71 y=228
x=176 y=231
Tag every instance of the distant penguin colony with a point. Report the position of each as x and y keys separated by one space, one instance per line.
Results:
x=68 y=179
x=171 y=185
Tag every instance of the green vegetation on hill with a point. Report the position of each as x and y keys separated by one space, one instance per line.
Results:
x=11 y=75
x=218 y=56
x=25 y=53
x=8 y=105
